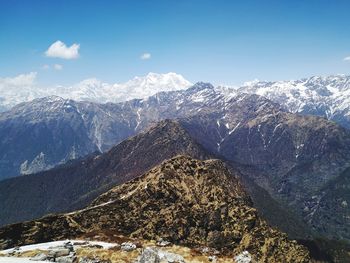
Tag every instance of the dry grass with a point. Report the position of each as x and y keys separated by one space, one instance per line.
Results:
x=116 y=256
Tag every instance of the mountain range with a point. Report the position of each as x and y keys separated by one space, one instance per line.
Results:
x=24 y=88
x=294 y=166
x=49 y=131
x=292 y=157
x=328 y=97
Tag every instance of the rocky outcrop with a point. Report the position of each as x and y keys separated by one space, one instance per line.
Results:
x=184 y=201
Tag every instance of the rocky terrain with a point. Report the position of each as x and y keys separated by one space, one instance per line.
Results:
x=184 y=201
x=75 y=184
x=291 y=156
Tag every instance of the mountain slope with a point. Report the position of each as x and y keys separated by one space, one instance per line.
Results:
x=74 y=185
x=291 y=156
x=41 y=134
x=183 y=200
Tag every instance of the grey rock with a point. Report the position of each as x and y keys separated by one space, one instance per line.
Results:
x=244 y=257
x=92 y=260
x=55 y=253
x=128 y=246
x=149 y=255
x=170 y=257
x=156 y=255
x=72 y=258
x=68 y=245
x=163 y=243
x=39 y=257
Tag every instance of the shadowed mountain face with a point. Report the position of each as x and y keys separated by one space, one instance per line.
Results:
x=74 y=185
x=292 y=157
x=43 y=133
x=183 y=200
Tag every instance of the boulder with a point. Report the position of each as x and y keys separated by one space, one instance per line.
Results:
x=244 y=257
x=68 y=245
x=72 y=258
x=55 y=253
x=212 y=259
x=170 y=257
x=149 y=255
x=128 y=246
x=163 y=243
x=39 y=257
x=92 y=260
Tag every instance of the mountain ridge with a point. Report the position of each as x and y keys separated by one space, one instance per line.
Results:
x=184 y=201
x=74 y=185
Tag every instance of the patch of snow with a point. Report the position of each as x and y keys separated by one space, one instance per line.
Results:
x=52 y=244
x=231 y=131
x=19 y=260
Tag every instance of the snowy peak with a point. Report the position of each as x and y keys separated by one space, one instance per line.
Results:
x=152 y=83
x=333 y=84
x=138 y=88
x=328 y=97
x=93 y=90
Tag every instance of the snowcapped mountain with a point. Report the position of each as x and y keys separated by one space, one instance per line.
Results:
x=328 y=97
x=23 y=88
x=45 y=132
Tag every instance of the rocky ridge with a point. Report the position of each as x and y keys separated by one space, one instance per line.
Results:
x=74 y=185
x=185 y=201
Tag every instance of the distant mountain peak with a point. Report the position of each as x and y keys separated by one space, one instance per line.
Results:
x=198 y=86
x=95 y=90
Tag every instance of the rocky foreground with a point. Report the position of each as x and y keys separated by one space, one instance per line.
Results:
x=136 y=251
x=186 y=202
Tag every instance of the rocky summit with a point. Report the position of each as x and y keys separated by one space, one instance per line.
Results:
x=184 y=201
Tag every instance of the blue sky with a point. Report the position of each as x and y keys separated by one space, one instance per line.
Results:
x=218 y=41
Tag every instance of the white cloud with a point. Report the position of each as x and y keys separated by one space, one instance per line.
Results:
x=145 y=56
x=60 y=50
x=58 y=67
x=20 y=80
x=347 y=58
x=45 y=67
